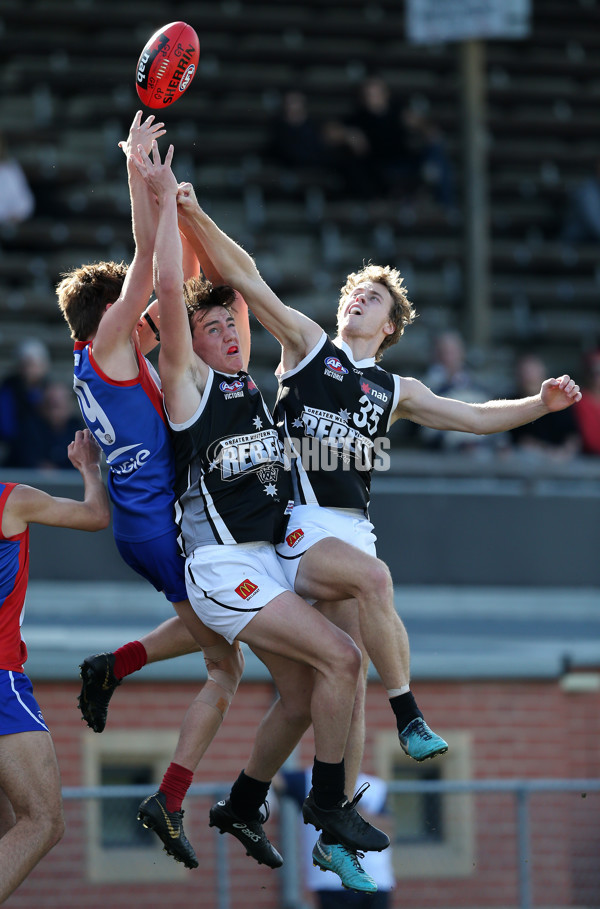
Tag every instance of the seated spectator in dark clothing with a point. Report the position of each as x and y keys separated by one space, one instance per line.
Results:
x=43 y=437
x=587 y=411
x=450 y=377
x=296 y=139
x=21 y=391
x=553 y=436
x=582 y=218
x=390 y=151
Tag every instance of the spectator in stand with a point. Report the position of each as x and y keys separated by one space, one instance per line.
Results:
x=389 y=150
x=553 y=436
x=587 y=411
x=582 y=218
x=296 y=139
x=16 y=199
x=42 y=440
x=450 y=377
x=21 y=391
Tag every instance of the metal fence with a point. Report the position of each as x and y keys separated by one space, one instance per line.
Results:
x=530 y=809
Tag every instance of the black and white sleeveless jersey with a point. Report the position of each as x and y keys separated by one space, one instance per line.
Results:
x=231 y=481
x=332 y=409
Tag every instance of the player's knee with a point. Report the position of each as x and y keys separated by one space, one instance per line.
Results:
x=348 y=659
x=225 y=667
x=230 y=670
x=376 y=581
x=297 y=711
x=49 y=824
x=225 y=659
x=57 y=829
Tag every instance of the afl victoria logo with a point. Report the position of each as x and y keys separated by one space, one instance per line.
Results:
x=236 y=385
x=334 y=364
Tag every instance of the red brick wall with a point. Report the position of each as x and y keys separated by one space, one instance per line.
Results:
x=519 y=729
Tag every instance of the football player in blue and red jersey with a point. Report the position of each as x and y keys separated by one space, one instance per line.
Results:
x=121 y=401
x=31 y=817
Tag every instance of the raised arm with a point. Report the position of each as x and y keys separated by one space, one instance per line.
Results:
x=296 y=332
x=112 y=346
x=183 y=374
x=27 y=505
x=193 y=246
x=419 y=404
x=148 y=326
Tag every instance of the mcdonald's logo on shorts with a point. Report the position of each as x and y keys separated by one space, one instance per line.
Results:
x=294 y=537
x=246 y=589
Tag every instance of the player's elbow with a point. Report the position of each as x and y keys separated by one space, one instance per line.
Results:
x=104 y=520
x=98 y=518
x=169 y=291
x=474 y=421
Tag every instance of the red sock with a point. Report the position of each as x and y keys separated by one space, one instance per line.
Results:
x=129 y=658
x=176 y=782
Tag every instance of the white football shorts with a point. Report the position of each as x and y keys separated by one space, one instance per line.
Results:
x=310 y=523
x=228 y=584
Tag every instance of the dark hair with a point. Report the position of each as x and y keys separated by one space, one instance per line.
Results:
x=201 y=295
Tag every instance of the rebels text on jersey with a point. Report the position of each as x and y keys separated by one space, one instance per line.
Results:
x=232 y=484
x=331 y=410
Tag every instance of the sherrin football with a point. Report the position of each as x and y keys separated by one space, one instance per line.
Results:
x=167 y=65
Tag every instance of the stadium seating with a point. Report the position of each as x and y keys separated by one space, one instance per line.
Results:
x=67 y=83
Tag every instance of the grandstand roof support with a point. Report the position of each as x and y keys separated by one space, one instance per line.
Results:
x=476 y=196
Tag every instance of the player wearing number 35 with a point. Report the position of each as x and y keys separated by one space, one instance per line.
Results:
x=336 y=392
x=334 y=395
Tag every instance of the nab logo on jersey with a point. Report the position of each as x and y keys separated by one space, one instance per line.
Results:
x=246 y=589
x=374 y=391
x=294 y=537
x=334 y=368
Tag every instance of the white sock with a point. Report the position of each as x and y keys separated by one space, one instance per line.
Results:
x=394 y=692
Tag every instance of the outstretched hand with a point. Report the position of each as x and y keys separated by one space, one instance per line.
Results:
x=141 y=134
x=158 y=175
x=84 y=451
x=187 y=202
x=557 y=394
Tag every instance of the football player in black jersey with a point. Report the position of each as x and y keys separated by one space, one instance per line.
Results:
x=335 y=393
x=229 y=463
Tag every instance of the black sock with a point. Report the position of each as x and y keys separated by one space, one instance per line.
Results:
x=405 y=709
x=328 y=782
x=247 y=795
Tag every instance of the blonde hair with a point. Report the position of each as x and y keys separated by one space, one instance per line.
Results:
x=401 y=312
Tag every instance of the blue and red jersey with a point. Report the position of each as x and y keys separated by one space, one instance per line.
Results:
x=127 y=419
x=14 y=575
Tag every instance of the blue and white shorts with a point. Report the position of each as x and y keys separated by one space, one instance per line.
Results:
x=19 y=710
